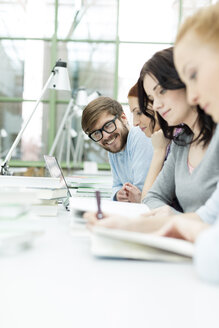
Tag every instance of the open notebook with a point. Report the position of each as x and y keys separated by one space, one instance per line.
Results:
x=113 y=243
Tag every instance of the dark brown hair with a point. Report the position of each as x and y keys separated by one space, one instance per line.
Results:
x=94 y=110
x=161 y=66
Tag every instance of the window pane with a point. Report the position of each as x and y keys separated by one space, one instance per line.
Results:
x=87 y=19
x=28 y=18
x=129 y=69
x=90 y=65
x=32 y=145
x=25 y=67
x=12 y=70
x=148 y=21
x=10 y=124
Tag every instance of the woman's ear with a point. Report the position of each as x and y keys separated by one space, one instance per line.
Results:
x=124 y=118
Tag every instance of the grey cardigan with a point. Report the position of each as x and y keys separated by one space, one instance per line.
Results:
x=174 y=180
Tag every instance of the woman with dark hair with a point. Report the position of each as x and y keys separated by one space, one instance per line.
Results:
x=161 y=69
x=187 y=168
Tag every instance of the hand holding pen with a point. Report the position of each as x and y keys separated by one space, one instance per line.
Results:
x=99 y=214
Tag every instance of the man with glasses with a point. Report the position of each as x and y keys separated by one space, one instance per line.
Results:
x=130 y=152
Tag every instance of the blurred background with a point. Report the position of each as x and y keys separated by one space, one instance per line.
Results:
x=104 y=42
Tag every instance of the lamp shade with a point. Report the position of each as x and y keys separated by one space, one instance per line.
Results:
x=81 y=99
x=60 y=79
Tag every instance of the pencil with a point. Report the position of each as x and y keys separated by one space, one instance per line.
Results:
x=99 y=212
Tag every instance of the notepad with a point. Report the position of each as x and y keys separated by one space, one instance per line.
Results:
x=112 y=243
x=81 y=205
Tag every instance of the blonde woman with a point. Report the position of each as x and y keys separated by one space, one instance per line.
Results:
x=196 y=57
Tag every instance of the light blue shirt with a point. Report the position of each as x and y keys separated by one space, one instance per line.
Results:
x=210 y=211
x=132 y=163
x=206 y=258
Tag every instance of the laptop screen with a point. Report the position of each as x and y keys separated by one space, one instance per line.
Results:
x=56 y=172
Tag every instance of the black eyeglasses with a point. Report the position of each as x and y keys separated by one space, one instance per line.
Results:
x=108 y=127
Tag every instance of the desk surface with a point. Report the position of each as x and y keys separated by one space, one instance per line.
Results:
x=58 y=284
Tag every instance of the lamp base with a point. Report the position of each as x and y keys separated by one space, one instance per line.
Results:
x=5 y=170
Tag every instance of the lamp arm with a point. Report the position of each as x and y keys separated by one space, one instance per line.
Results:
x=69 y=107
x=16 y=141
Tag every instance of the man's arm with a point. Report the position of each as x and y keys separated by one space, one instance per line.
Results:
x=135 y=164
x=118 y=192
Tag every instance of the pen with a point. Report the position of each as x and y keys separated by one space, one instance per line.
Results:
x=99 y=212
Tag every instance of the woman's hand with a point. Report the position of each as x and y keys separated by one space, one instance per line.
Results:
x=145 y=223
x=161 y=212
x=112 y=221
x=183 y=227
x=159 y=142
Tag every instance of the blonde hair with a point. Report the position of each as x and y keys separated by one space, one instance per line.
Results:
x=205 y=23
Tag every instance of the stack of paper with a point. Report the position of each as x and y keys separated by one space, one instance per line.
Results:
x=86 y=185
x=41 y=195
x=44 y=188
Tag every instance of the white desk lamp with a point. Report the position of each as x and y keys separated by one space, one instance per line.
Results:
x=59 y=80
x=65 y=128
x=65 y=132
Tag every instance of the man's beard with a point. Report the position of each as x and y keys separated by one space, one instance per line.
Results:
x=123 y=139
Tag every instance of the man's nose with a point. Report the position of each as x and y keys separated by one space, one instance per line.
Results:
x=105 y=134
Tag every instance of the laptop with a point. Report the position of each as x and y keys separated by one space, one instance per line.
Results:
x=56 y=172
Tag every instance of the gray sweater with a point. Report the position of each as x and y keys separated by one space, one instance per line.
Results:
x=174 y=180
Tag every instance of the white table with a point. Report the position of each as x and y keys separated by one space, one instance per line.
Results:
x=58 y=284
